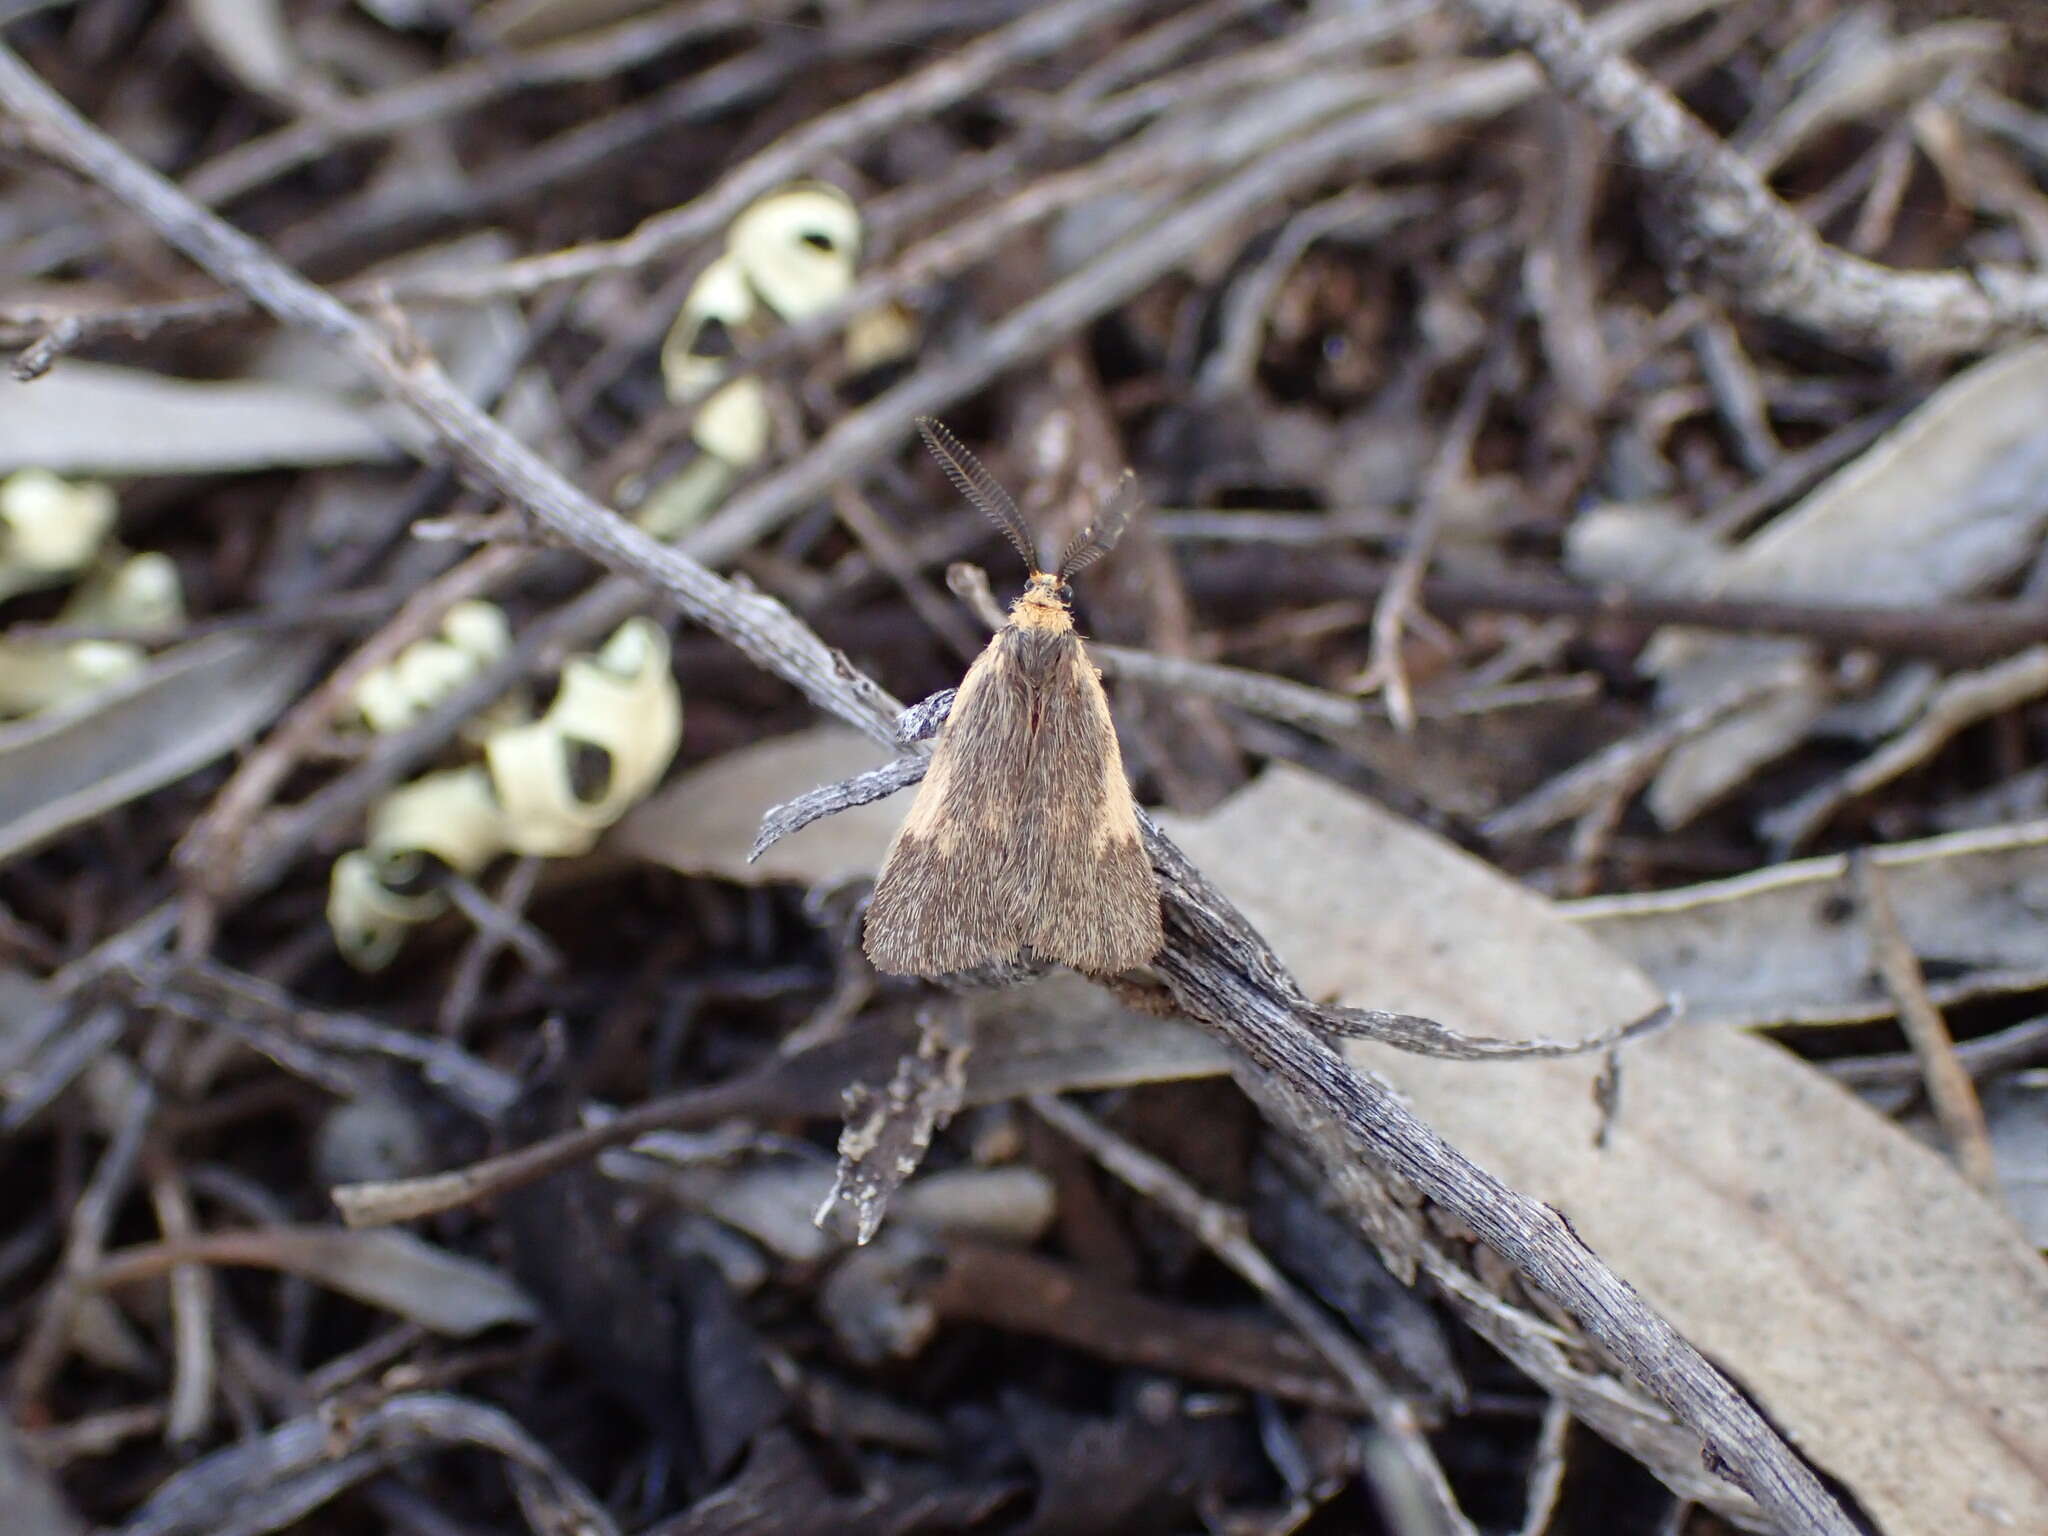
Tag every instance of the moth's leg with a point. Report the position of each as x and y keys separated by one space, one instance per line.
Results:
x=921 y=721
x=875 y=784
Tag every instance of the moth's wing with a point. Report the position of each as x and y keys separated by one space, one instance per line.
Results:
x=954 y=884
x=1095 y=902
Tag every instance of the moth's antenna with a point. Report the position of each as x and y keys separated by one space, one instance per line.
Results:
x=978 y=486
x=1100 y=536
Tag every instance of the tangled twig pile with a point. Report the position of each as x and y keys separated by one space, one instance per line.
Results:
x=1181 y=185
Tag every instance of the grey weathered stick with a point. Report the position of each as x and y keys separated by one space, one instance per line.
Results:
x=759 y=626
x=1220 y=972
x=1732 y=227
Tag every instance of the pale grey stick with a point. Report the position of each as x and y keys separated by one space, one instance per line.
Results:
x=1218 y=969
x=1733 y=229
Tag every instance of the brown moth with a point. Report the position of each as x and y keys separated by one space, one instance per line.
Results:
x=1023 y=841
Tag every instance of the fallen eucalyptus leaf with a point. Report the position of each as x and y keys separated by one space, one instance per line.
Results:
x=1784 y=944
x=36 y=677
x=1845 y=1275
x=2016 y=1112
x=96 y=419
x=189 y=706
x=1947 y=502
x=253 y=40
x=704 y=823
x=271 y=1481
x=29 y=1493
x=415 y=1280
x=477 y=345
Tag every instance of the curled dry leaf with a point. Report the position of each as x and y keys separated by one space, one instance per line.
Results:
x=378 y=893
x=451 y=815
x=789 y=255
x=623 y=702
x=50 y=528
x=139 y=593
x=1850 y=1279
x=473 y=635
x=732 y=425
x=798 y=248
x=622 y=705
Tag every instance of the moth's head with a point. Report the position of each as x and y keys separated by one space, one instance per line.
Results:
x=1046 y=589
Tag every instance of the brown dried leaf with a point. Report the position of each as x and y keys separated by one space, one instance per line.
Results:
x=1892 y=1322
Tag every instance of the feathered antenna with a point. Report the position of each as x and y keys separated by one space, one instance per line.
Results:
x=978 y=486
x=1100 y=536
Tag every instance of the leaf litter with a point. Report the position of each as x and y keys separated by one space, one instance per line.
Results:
x=1505 y=620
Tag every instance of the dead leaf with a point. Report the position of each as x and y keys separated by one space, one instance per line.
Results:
x=396 y=1271
x=477 y=345
x=2016 y=1110
x=35 y=1505
x=253 y=40
x=1887 y=1318
x=95 y=419
x=1783 y=945
x=1944 y=504
x=186 y=708
x=704 y=822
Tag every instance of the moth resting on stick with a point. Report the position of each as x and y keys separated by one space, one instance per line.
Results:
x=1023 y=841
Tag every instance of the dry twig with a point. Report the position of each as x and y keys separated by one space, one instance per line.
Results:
x=1732 y=228
x=1217 y=968
x=1949 y=1088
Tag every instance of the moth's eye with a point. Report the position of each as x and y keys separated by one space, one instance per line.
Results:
x=1064 y=592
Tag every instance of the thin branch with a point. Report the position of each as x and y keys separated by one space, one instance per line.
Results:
x=1732 y=229
x=1218 y=969
x=1949 y=1088
x=1449 y=471
x=1956 y=634
x=601 y=55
